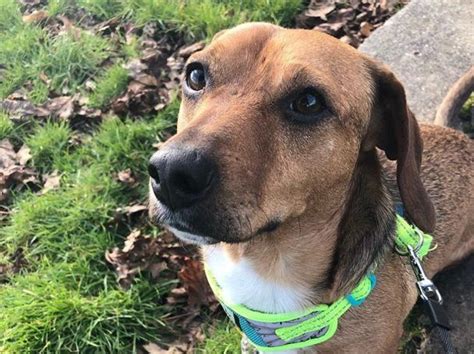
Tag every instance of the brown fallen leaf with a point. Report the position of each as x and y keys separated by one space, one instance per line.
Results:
x=43 y=77
x=23 y=155
x=19 y=109
x=152 y=348
x=146 y=79
x=194 y=280
x=130 y=210
x=352 y=21
x=12 y=168
x=126 y=177
x=51 y=181
x=35 y=16
x=185 y=52
x=62 y=106
x=4 y=195
x=319 y=10
x=7 y=154
x=137 y=255
x=366 y=28
x=135 y=67
x=69 y=27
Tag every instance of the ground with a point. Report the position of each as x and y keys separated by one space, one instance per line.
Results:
x=88 y=88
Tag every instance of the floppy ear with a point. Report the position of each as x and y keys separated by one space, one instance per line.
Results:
x=394 y=129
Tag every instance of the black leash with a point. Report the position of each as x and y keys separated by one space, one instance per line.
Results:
x=432 y=303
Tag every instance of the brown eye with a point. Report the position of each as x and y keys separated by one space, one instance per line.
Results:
x=308 y=104
x=196 y=78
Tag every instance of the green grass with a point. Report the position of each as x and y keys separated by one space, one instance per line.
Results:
x=198 y=19
x=102 y=8
x=69 y=301
x=111 y=84
x=66 y=60
x=48 y=143
x=222 y=337
x=6 y=126
x=42 y=312
x=10 y=16
x=71 y=58
x=66 y=299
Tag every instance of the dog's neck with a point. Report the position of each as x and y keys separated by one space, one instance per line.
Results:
x=313 y=258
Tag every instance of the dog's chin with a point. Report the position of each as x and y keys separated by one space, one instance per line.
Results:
x=186 y=229
x=192 y=238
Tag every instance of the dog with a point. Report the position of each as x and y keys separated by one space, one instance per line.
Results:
x=292 y=150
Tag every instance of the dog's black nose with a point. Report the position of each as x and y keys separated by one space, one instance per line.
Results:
x=180 y=178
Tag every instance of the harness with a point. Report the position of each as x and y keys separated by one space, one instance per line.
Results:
x=293 y=330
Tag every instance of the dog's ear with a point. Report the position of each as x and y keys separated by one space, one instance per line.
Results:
x=393 y=128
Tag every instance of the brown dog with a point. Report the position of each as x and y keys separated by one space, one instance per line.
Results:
x=276 y=172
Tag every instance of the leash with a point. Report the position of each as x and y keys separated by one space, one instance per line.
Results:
x=429 y=293
x=270 y=332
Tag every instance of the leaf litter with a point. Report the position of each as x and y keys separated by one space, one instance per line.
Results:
x=351 y=21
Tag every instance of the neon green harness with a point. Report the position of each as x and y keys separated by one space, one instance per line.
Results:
x=293 y=330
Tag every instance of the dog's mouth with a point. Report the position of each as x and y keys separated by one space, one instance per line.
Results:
x=189 y=236
x=202 y=228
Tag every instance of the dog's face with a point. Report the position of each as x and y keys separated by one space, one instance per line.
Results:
x=271 y=125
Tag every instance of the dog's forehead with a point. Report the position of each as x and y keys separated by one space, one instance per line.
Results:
x=258 y=46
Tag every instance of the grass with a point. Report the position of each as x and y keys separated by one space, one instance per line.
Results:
x=6 y=126
x=29 y=54
x=111 y=84
x=10 y=16
x=466 y=117
x=70 y=58
x=202 y=19
x=42 y=312
x=48 y=143
x=66 y=298
x=222 y=337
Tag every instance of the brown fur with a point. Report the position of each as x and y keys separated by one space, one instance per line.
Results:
x=322 y=183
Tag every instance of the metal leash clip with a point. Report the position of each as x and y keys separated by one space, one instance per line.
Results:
x=429 y=293
x=426 y=288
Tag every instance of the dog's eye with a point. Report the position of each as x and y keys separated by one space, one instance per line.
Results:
x=308 y=103
x=196 y=78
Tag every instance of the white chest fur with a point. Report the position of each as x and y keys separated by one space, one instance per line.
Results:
x=241 y=284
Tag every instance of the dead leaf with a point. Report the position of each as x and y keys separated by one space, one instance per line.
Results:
x=130 y=241
x=23 y=155
x=7 y=154
x=19 y=109
x=135 y=67
x=62 y=106
x=146 y=79
x=126 y=177
x=4 y=194
x=43 y=77
x=52 y=181
x=69 y=27
x=351 y=21
x=36 y=16
x=320 y=11
x=194 y=280
x=366 y=28
x=153 y=348
x=137 y=255
x=185 y=52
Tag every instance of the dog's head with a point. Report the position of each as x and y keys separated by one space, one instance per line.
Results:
x=272 y=124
